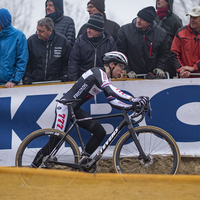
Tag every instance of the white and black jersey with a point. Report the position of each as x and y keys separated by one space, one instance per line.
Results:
x=93 y=82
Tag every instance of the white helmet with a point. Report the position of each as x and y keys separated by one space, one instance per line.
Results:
x=115 y=56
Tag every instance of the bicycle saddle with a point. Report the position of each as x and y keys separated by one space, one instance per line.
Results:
x=65 y=101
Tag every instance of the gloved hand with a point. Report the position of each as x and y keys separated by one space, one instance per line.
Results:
x=132 y=75
x=27 y=81
x=140 y=101
x=64 y=78
x=159 y=73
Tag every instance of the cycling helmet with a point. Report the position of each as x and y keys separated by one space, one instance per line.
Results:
x=115 y=56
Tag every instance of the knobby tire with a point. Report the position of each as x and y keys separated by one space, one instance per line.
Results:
x=68 y=152
x=158 y=145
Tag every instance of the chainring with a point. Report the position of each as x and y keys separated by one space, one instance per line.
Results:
x=83 y=165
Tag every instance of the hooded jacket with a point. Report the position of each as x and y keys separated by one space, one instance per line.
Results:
x=85 y=55
x=171 y=23
x=62 y=24
x=145 y=50
x=13 y=51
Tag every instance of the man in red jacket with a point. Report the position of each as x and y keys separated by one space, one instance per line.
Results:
x=185 y=49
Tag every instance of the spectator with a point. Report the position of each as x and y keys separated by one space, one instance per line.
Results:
x=48 y=54
x=13 y=51
x=90 y=47
x=98 y=6
x=185 y=47
x=171 y=23
x=147 y=47
x=62 y=24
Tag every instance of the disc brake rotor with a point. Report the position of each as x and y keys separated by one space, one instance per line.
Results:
x=147 y=163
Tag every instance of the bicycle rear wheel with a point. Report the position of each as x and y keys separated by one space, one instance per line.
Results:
x=158 y=145
x=68 y=152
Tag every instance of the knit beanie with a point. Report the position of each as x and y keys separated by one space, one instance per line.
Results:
x=96 y=22
x=99 y=4
x=148 y=14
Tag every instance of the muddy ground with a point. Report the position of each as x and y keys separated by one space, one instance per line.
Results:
x=189 y=165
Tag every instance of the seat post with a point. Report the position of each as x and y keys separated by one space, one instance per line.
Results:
x=72 y=112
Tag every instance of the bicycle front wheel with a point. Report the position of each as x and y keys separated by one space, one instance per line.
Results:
x=161 y=149
x=27 y=151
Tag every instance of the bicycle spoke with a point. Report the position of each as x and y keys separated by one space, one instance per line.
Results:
x=29 y=148
x=157 y=146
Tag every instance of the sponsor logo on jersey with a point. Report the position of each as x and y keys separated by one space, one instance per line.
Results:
x=80 y=91
x=89 y=96
x=94 y=90
x=87 y=74
x=122 y=103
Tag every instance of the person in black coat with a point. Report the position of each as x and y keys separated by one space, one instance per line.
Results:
x=145 y=45
x=90 y=47
x=62 y=24
x=98 y=6
x=171 y=23
x=48 y=54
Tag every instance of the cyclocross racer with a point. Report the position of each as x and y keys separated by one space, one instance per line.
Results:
x=87 y=86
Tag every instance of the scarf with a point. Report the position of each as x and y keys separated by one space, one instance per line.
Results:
x=162 y=12
x=97 y=40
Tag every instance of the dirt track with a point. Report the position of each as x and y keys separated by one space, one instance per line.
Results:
x=189 y=165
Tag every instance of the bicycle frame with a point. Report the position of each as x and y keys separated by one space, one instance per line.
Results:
x=126 y=121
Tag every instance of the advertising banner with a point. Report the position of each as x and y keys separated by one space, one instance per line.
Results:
x=175 y=108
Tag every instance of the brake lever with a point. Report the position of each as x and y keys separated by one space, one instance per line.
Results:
x=136 y=114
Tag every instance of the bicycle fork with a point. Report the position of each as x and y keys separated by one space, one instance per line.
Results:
x=127 y=121
x=142 y=155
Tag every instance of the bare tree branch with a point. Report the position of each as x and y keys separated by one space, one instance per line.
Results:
x=21 y=11
x=182 y=7
x=74 y=11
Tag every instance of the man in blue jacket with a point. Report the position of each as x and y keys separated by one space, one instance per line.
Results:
x=13 y=51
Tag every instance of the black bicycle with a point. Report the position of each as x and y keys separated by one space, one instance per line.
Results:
x=144 y=149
